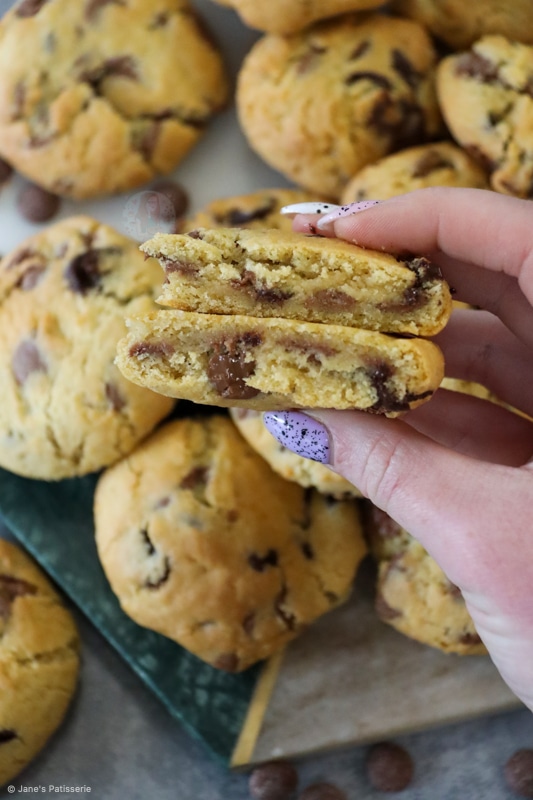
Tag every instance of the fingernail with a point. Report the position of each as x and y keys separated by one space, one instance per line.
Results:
x=309 y=208
x=344 y=211
x=300 y=433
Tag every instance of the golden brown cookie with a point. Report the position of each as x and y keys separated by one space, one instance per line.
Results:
x=39 y=660
x=436 y=164
x=485 y=95
x=413 y=593
x=99 y=96
x=64 y=293
x=320 y=105
x=204 y=543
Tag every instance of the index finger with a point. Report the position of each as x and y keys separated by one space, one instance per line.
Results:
x=474 y=226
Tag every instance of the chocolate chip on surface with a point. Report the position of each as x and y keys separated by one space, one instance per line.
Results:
x=26 y=360
x=36 y=204
x=519 y=772
x=322 y=791
x=177 y=197
x=6 y=170
x=389 y=767
x=274 y=780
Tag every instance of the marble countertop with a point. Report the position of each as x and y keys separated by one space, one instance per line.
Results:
x=120 y=741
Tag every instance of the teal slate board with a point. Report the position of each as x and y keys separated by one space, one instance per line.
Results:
x=54 y=522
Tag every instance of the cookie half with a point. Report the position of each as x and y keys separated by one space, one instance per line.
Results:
x=269 y=364
x=204 y=543
x=39 y=660
x=278 y=274
x=64 y=293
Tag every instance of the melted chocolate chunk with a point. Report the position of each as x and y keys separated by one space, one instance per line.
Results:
x=115 y=398
x=31 y=277
x=387 y=400
x=403 y=67
x=29 y=8
x=82 y=274
x=236 y=217
x=260 y=563
x=485 y=162
x=140 y=349
x=147 y=141
x=228 y=369
x=119 y=66
x=196 y=477
x=473 y=65
x=429 y=163
x=93 y=7
x=389 y=767
x=374 y=77
x=330 y=300
x=183 y=267
x=26 y=360
x=10 y=589
x=273 y=780
x=7 y=736
x=400 y=120
x=307 y=550
x=228 y=662
x=249 y=281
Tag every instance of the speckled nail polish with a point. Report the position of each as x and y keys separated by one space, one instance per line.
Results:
x=344 y=211
x=300 y=433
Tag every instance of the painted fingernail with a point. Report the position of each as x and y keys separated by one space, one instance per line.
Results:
x=309 y=208
x=300 y=433
x=344 y=211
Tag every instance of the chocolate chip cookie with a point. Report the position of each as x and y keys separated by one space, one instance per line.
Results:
x=289 y=465
x=278 y=274
x=278 y=16
x=487 y=100
x=66 y=409
x=320 y=105
x=99 y=96
x=257 y=210
x=438 y=164
x=459 y=24
x=39 y=660
x=413 y=593
x=203 y=542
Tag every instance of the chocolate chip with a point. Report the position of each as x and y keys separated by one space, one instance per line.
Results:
x=260 y=563
x=140 y=349
x=177 y=197
x=362 y=48
x=6 y=170
x=486 y=163
x=322 y=791
x=470 y=638
x=307 y=550
x=403 y=67
x=274 y=780
x=400 y=120
x=82 y=274
x=183 y=267
x=7 y=736
x=36 y=204
x=251 y=283
x=93 y=7
x=195 y=235
x=286 y=616
x=19 y=98
x=119 y=66
x=228 y=368
x=228 y=662
x=519 y=772
x=248 y=624
x=31 y=277
x=115 y=398
x=384 y=610
x=26 y=360
x=374 y=77
x=160 y=20
x=197 y=476
x=162 y=503
x=309 y=59
x=474 y=65
x=389 y=767
x=161 y=579
x=430 y=162
x=384 y=526
x=29 y=8
x=147 y=141
x=330 y=300
x=150 y=549
x=236 y=217
x=10 y=589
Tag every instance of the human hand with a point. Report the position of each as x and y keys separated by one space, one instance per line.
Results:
x=456 y=472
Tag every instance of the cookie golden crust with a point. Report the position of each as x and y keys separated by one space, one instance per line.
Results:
x=256 y=210
x=413 y=593
x=203 y=542
x=459 y=24
x=485 y=95
x=280 y=16
x=320 y=105
x=309 y=278
x=98 y=97
x=66 y=409
x=289 y=465
x=436 y=164
x=269 y=364
x=39 y=660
